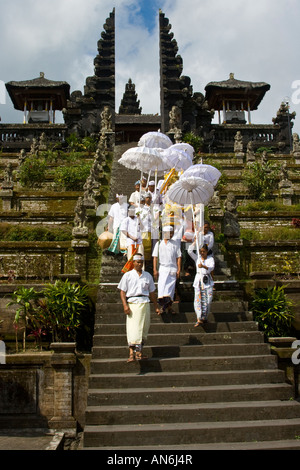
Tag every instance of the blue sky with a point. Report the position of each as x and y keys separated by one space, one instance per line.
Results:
x=257 y=41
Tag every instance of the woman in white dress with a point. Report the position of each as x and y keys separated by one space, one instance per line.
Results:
x=203 y=283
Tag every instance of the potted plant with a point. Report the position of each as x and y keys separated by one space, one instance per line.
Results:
x=273 y=311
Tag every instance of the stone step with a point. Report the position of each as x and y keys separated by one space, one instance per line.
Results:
x=184 y=364
x=221 y=328
x=177 y=350
x=203 y=394
x=221 y=289
x=193 y=336
x=191 y=433
x=180 y=307
x=288 y=444
x=110 y=316
x=194 y=412
x=181 y=379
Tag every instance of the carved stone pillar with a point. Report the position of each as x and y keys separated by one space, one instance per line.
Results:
x=80 y=247
x=63 y=360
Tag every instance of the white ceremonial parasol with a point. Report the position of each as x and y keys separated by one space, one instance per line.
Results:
x=201 y=170
x=191 y=190
x=143 y=159
x=155 y=140
x=184 y=147
x=178 y=159
x=209 y=173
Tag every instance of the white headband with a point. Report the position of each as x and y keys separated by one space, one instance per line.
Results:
x=138 y=258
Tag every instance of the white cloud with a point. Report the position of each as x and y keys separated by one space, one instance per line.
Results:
x=255 y=40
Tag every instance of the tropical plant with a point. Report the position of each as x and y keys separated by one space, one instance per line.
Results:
x=273 y=311
x=261 y=179
x=64 y=303
x=26 y=299
x=194 y=140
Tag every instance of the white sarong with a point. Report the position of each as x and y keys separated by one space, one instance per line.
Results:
x=138 y=323
x=166 y=282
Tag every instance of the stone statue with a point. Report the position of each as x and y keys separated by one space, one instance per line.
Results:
x=34 y=149
x=8 y=174
x=88 y=196
x=231 y=227
x=296 y=145
x=43 y=142
x=80 y=215
x=22 y=156
x=106 y=120
x=238 y=142
x=284 y=177
x=238 y=145
x=250 y=154
x=264 y=158
x=175 y=118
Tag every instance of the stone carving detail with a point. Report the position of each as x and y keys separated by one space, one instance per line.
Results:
x=43 y=142
x=106 y=120
x=174 y=116
x=250 y=154
x=238 y=144
x=34 y=149
x=231 y=227
x=80 y=219
x=296 y=145
x=284 y=178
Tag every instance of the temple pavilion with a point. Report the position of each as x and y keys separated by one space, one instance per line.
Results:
x=235 y=98
x=39 y=98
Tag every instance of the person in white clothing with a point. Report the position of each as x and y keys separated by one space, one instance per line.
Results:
x=116 y=214
x=203 y=282
x=137 y=289
x=208 y=237
x=166 y=268
x=131 y=228
x=145 y=217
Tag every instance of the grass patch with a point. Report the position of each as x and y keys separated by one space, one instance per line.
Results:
x=261 y=206
x=272 y=233
x=35 y=233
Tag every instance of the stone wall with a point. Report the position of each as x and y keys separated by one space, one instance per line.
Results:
x=45 y=389
x=245 y=257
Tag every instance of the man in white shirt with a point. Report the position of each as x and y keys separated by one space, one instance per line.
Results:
x=145 y=216
x=134 y=198
x=131 y=229
x=137 y=289
x=167 y=254
x=116 y=214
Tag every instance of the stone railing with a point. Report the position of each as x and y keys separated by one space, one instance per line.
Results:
x=260 y=135
x=17 y=136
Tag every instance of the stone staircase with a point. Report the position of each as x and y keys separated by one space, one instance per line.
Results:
x=214 y=387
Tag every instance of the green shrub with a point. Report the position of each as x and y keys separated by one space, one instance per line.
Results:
x=72 y=178
x=273 y=311
x=261 y=180
x=32 y=172
x=194 y=140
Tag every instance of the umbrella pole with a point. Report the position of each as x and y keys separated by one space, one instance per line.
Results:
x=197 y=240
x=140 y=188
x=148 y=178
